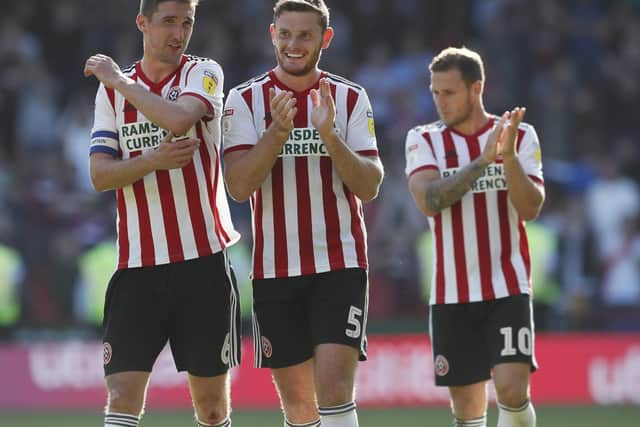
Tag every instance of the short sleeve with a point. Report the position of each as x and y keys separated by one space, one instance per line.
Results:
x=361 y=134
x=205 y=81
x=530 y=155
x=104 y=135
x=238 y=128
x=419 y=153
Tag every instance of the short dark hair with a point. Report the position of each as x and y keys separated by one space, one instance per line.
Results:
x=148 y=7
x=317 y=6
x=466 y=60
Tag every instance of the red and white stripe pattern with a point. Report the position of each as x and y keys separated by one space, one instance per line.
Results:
x=305 y=220
x=169 y=215
x=480 y=244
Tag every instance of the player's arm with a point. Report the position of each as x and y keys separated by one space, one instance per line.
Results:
x=432 y=193
x=109 y=172
x=245 y=170
x=178 y=117
x=525 y=195
x=361 y=174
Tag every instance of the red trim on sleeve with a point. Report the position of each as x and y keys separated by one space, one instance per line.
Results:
x=237 y=148
x=536 y=179
x=421 y=168
x=212 y=112
x=371 y=153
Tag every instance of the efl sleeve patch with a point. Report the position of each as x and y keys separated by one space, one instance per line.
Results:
x=209 y=82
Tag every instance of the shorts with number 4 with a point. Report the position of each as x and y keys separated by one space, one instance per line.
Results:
x=292 y=315
x=468 y=340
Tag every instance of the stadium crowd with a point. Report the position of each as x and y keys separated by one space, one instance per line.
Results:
x=574 y=64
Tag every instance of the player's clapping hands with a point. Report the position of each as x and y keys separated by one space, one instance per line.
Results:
x=323 y=115
x=173 y=154
x=283 y=110
x=105 y=69
x=507 y=143
x=502 y=139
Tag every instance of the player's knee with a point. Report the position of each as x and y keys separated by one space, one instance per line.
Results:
x=212 y=409
x=512 y=394
x=212 y=415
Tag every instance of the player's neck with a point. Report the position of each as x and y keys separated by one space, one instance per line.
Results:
x=155 y=70
x=474 y=123
x=298 y=83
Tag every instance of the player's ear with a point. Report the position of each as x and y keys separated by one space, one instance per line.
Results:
x=477 y=87
x=327 y=37
x=272 y=31
x=141 y=22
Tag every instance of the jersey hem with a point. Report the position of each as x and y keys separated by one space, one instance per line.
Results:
x=528 y=292
x=282 y=274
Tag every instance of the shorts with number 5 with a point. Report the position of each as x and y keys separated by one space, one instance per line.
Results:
x=468 y=340
x=292 y=315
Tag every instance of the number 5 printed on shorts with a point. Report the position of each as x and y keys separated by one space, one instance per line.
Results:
x=352 y=320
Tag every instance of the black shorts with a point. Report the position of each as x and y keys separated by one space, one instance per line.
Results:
x=468 y=340
x=193 y=305
x=291 y=316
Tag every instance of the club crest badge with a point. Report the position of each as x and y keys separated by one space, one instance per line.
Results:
x=106 y=353
x=174 y=93
x=441 y=365
x=267 y=350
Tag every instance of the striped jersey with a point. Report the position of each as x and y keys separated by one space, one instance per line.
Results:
x=305 y=219
x=169 y=215
x=480 y=244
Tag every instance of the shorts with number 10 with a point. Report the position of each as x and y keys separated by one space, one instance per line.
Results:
x=468 y=340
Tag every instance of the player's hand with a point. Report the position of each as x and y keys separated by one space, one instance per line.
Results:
x=173 y=153
x=490 y=151
x=283 y=111
x=507 y=143
x=104 y=69
x=323 y=114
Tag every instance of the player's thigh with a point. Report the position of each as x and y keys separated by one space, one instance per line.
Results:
x=340 y=302
x=281 y=329
x=135 y=319
x=205 y=318
x=510 y=331
x=460 y=351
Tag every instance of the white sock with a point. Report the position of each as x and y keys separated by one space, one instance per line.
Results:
x=225 y=423
x=339 y=416
x=114 y=419
x=476 y=422
x=524 y=416
x=315 y=423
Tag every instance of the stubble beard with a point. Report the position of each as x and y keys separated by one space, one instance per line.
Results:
x=308 y=67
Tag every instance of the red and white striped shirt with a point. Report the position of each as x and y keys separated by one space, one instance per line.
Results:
x=169 y=215
x=305 y=219
x=480 y=244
